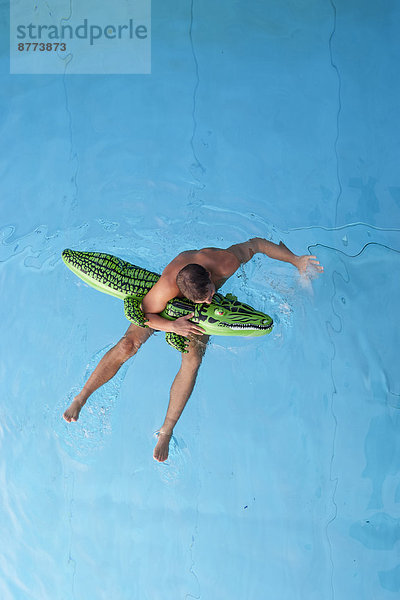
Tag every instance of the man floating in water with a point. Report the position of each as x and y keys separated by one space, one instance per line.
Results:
x=196 y=275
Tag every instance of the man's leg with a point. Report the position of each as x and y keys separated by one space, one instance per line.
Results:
x=180 y=392
x=108 y=366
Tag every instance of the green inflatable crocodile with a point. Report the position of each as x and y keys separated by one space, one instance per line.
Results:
x=114 y=276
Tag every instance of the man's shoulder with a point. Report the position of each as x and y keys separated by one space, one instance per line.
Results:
x=221 y=262
x=176 y=264
x=165 y=288
x=213 y=253
x=210 y=258
x=219 y=254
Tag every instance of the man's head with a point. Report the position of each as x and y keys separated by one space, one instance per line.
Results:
x=195 y=283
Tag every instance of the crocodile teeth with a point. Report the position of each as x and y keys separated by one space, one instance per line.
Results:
x=244 y=326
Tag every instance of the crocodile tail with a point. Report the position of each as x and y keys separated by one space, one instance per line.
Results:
x=177 y=341
x=110 y=274
x=133 y=312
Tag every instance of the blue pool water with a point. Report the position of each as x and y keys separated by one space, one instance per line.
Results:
x=272 y=119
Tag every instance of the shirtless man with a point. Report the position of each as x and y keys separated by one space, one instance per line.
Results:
x=195 y=274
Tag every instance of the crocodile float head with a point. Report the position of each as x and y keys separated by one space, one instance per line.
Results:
x=226 y=315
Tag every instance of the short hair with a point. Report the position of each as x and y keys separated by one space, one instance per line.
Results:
x=193 y=281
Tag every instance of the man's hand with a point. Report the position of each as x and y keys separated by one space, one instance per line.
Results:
x=183 y=326
x=308 y=263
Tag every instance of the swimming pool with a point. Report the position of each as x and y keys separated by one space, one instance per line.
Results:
x=274 y=119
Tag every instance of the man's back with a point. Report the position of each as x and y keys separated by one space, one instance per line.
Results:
x=219 y=263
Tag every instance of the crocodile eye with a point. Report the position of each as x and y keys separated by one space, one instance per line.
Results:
x=218 y=311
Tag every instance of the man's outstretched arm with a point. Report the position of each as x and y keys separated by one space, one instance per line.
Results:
x=246 y=250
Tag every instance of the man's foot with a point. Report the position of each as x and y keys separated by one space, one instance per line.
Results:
x=162 y=447
x=72 y=412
